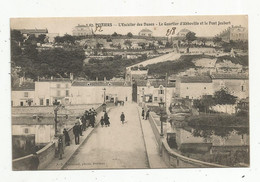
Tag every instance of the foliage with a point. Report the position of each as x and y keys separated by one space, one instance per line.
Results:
x=217 y=40
x=191 y=36
x=204 y=103
x=243 y=60
x=16 y=36
x=114 y=34
x=128 y=43
x=129 y=34
x=223 y=97
x=65 y=39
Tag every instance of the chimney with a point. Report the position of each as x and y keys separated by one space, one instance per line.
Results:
x=51 y=77
x=96 y=78
x=105 y=79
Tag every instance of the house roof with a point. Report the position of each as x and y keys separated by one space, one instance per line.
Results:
x=27 y=86
x=55 y=80
x=195 y=79
x=184 y=30
x=28 y=31
x=28 y=120
x=145 y=30
x=154 y=83
x=100 y=83
x=229 y=76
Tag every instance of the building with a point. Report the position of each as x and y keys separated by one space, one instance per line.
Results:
x=145 y=32
x=36 y=32
x=235 y=84
x=81 y=30
x=47 y=91
x=93 y=92
x=193 y=87
x=135 y=74
x=23 y=94
x=154 y=91
x=42 y=129
x=234 y=33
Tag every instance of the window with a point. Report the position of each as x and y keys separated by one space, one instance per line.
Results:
x=67 y=93
x=58 y=85
x=205 y=88
x=58 y=93
x=155 y=98
x=25 y=94
x=67 y=85
x=41 y=102
x=242 y=88
x=187 y=88
x=161 y=92
x=26 y=130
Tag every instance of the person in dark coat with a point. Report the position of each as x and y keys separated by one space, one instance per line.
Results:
x=102 y=121
x=122 y=118
x=60 y=147
x=143 y=113
x=67 y=137
x=34 y=162
x=147 y=114
x=76 y=132
x=106 y=119
x=84 y=123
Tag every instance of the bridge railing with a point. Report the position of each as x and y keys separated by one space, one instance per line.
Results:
x=172 y=158
x=47 y=153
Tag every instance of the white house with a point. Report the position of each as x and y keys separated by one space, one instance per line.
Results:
x=23 y=94
x=47 y=91
x=92 y=92
x=236 y=84
x=194 y=87
x=145 y=32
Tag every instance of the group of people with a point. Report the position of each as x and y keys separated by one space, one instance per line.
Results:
x=87 y=120
x=145 y=116
x=105 y=120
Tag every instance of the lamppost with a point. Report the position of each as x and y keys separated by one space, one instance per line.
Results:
x=161 y=105
x=56 y=108
x=104 y=103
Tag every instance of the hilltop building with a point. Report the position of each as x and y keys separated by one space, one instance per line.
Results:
x=23 y=94
x=36 y=32
x=81 y=30
x=234 y=33
x=145 y=32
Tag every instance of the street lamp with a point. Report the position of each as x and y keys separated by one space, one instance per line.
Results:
x=161 y=106
x=57 y=106
x=104 y=103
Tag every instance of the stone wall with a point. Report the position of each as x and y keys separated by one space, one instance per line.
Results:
x=171 y=157
x=46 y=154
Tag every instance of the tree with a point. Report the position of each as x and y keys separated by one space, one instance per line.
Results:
x=41 y=38
x=217 y=40
x=190 y=37
x=114 y=34
x=223 y=97
x=129 y=34
x=65 y=39
x=204 y=103
x=128 y=43
x=17 y=36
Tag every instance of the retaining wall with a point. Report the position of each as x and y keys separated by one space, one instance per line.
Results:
x=47 y=153
x=172 y=158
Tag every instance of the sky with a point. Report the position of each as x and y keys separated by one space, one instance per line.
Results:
x=156 y=24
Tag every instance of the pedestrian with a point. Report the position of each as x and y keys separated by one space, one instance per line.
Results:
x=84 y=123
x=102 y=121
x=80 y=126
x=122 y=117
x=60 y=147
x=34 y=162
x=76 y=132
x=143 y=113
x=67 y=137
x=147 y=114
x=106 y=119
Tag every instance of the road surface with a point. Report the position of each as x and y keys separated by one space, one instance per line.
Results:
x=117 y=146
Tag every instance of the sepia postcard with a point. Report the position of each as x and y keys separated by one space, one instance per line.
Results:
x=130 y=92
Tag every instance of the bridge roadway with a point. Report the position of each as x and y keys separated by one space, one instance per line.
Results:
x=114 y=147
